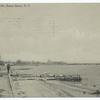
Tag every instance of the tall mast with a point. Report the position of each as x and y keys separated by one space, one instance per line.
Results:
x=53 y=27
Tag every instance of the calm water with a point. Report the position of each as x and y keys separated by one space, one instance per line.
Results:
x=89 y=73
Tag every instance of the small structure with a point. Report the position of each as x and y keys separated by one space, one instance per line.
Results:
x=61 y=77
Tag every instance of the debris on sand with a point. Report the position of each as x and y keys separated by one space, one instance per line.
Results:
x=97 y=92
x=2 y=90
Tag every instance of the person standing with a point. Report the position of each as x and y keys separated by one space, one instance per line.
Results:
x=8 y=68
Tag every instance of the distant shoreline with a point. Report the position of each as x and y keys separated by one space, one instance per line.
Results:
x=19 y=62
x=62 y=64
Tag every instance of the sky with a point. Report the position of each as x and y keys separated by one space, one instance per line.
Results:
x=66 y=32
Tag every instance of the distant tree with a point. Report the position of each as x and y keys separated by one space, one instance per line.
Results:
x=18 y=61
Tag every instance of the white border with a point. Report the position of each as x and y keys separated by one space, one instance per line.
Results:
x=50 y=98
x=49 y=1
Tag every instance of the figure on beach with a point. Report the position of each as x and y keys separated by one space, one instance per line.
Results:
x=8 y=68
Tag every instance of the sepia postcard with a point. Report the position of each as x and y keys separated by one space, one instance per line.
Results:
x=49 y=50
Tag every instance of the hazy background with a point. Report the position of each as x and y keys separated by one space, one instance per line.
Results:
x=67 y=32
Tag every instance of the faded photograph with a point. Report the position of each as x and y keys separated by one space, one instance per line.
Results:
x=50 y=50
